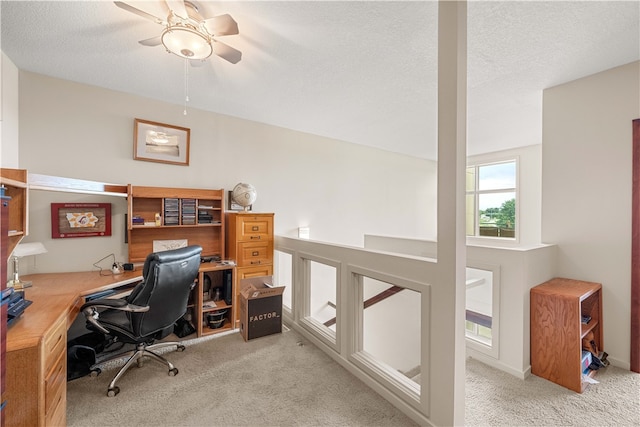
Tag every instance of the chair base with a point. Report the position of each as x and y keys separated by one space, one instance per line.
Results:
x=137 y=355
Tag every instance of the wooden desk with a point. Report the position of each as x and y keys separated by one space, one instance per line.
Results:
x=36 y=352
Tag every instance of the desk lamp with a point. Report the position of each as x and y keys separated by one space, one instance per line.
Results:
x=23 y=250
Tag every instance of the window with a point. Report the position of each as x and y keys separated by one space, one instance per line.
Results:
x=491 y=199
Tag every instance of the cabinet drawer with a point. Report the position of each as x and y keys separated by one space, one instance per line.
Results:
x=55 y=385
x=258 y=271
x=254 y=253
x=55 y=343
x=57 y=416
x=255 y=228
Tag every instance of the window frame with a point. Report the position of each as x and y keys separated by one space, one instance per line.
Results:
x=476 y=192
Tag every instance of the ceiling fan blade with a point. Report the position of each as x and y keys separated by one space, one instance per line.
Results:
x=222 y=25
x=153 y=41
x=129 y=8
x=192 y=11
x=226 y=52
x=177 y=6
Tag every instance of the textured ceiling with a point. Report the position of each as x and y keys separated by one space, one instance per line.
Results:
x=361 y=71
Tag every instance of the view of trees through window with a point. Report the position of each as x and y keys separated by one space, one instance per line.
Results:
x=504 y=216
x=491 y=199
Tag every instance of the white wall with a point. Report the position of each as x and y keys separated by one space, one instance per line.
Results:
x=8 y=113
x=340 y=190
x=586 y=189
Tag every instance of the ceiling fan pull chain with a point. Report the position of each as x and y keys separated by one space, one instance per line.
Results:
x=186 y=85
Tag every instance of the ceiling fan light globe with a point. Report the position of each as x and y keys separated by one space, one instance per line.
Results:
x=186 y=43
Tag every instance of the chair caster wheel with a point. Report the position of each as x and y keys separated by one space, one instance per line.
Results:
x=173 y=372
x=113 y=391
x=180 y=347
x=95 y=372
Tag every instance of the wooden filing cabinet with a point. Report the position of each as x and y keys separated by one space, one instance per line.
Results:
x=249 y=238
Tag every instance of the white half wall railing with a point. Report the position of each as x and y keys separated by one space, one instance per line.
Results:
x=314 y=271
x=515 y=269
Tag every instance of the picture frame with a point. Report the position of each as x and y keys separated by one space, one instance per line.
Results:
x=161 y=143
x=80 y=220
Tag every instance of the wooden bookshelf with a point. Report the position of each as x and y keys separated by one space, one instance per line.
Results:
x=557 y=330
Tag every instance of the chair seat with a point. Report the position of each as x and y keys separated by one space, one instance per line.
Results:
x=119 y=326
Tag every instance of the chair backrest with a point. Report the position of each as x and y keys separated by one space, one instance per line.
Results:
x=168 y=277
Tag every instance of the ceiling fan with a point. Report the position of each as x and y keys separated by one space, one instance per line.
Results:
x=188 y=35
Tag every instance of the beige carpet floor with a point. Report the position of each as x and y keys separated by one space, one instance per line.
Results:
x=495 y=398
x=282 y=380
x=279 y=380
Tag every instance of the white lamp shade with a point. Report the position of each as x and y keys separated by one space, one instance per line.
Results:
x=28 y=249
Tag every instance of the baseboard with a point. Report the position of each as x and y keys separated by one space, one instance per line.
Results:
x=494 y=363
x=619 y=363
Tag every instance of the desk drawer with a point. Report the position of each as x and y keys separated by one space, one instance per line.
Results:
x=55 y=384
x=55 y=343
x=254 y=253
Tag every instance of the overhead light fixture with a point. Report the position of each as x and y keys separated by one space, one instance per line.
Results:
x=187 y=42
x=188 y=35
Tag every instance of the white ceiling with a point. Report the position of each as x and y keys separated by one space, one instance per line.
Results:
x=361 y=71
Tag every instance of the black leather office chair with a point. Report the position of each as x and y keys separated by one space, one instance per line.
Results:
x=151 y=310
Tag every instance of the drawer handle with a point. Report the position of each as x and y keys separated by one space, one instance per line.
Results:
x=255 y=253
x=255 y=262
x=255 y=228
x=255 y=237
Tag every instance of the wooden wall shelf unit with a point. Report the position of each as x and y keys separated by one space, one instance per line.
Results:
x=250 y=244
x=195 y=215
x=557 y=330
x=15 y=183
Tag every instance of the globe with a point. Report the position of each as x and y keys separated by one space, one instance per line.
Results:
x=244 y=195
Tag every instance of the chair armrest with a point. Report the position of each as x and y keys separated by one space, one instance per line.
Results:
x=117 y=304
x=90 y=310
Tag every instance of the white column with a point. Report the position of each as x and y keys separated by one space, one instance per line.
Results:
x=448 y=367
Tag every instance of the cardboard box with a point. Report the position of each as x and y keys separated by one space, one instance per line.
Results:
x=260 y=307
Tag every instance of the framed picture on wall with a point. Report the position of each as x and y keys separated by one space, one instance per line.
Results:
x=80 y=220
x=161 y=143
